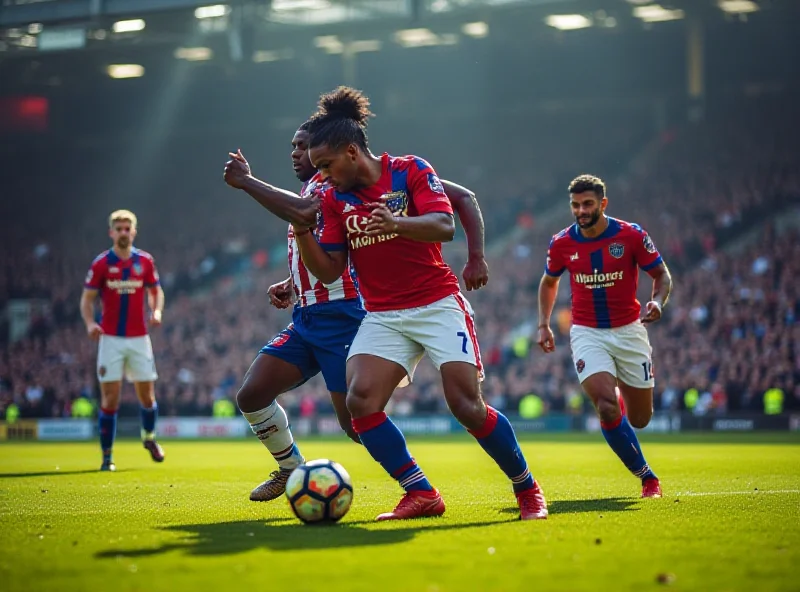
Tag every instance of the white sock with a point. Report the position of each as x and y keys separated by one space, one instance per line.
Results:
x=272 y=427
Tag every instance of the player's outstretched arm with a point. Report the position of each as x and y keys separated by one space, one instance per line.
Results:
x=465 y=205
x=662 y=287
x=326 y=266
x=548 y=290
x=284 y=204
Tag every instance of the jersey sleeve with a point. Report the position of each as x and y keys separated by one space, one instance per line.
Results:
x=647 y=256
x=95 y=275
x=330 y=231
x=554 y=265
x=151 y=278
x=426 y=189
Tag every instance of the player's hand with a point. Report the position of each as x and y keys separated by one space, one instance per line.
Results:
x=94 y=331
x=280 y=294
x=155 y=318
x=652 y=312
x=237 y=170
x=546 y=340
x=476 y=273
x=381 y=221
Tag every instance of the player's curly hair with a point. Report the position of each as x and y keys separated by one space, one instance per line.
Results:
x=583 y=183
x=341 y=118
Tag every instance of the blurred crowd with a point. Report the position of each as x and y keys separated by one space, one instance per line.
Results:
x=729 y=335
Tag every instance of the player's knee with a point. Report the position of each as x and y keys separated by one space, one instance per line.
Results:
x=359 y=402
x=608 y=408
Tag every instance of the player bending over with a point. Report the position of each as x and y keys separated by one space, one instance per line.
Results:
x=610 y=348
x=325 y=320
x=121 y=276
x=391 y=215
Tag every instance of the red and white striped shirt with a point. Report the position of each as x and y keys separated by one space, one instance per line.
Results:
x=307 y=288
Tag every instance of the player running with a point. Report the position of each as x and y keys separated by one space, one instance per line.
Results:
x=325 y=320
x=121 y=276
x=390 y=215
x=610 y=348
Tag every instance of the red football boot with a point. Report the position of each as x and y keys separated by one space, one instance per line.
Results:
x=532 y=505
x=416 y=504
x=155 y=450
x=651 y=488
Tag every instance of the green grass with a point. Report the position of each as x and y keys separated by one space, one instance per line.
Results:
x=187 y=524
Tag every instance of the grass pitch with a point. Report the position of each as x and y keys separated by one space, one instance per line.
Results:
x=730 y=520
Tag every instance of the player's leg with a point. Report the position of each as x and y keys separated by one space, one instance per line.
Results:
x=110 y=365
x=597 y=372
x=339 y=402
x=635 y=381
x=372 y=378
x=140 y=368
x=447 y=331
x=281 y=365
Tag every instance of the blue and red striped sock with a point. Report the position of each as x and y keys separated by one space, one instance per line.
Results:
x=107 y=426
x=623 y=441
x=386 y=444
x=497 y=438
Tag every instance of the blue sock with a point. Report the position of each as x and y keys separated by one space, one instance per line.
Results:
x=387 y=445
x=107 y=425
x=149 y=417
x=497 y=438
x=623 y=441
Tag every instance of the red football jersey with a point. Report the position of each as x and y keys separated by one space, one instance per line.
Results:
x=307 y=288
x=394 y=273
x=604 y=271
x=122 y=284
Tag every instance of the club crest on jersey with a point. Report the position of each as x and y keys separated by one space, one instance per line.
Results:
x=137 y=268
x=648 y=244
x=397 y=202
x=435 y=184
x=616 y=250
x=580 y=366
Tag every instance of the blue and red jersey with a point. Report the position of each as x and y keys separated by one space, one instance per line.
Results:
x=394 y=273
x=604 y=271
x=122 y=284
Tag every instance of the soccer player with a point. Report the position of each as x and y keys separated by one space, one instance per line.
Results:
x=610 y=348
x=325 y=320
x=122 y=275
x=390 y=215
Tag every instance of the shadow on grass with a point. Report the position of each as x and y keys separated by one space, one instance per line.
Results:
x=285 y=534
x=610 y=504
x=55 y=473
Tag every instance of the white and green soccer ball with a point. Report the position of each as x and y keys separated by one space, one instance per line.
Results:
x=319 y=491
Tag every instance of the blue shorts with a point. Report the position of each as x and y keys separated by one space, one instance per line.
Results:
x=318 y=340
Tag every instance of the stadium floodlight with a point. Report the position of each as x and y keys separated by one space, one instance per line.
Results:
x=416 y=37
x=655 y=13
x=35 y=28
x=568 y=22
x=737 y=6
x=477 y=29
x=128 y=26
x=213 y=11
x=364 y=45
x=194 y=54
x=125 y=71
x=330 y=43
x=287 y=5
x=272 y=55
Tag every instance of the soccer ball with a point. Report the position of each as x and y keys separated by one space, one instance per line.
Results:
x=319 y=491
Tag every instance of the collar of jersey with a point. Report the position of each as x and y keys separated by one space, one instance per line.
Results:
x=113 y=258
x=612 y=230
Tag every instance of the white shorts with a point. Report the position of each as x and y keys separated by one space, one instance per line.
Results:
x=131 y=356
x=623 y=352
x=445 y=330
